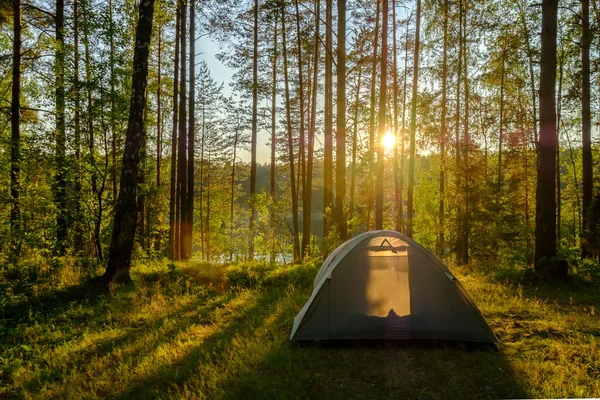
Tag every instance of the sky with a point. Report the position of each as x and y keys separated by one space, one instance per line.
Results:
x=208 y=50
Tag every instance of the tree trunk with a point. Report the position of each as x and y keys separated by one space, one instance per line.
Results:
x=273 y=139
x=355 y=137
x=113 y=123
x=235 y=143
x=15 y=141
x=182 y=160
x=403 y=135
x=586 y=127
x=254 y=132
x=121 y=246
x=371 y=154
x=413 y=126
x=158 y=109
x=301 y=155
x=397 y=193
x=328 y=124
x=61 y=138
x=464 y=258
x=191 y=134
x=545 y=212
x=382 y=111
x=558 y=118
x=340 y=135
x=78 y=237
x=311 y=138
x=440 y=244
x=290 y=141
x=173 y=206
x=459 y=207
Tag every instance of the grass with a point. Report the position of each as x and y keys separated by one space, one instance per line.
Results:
x=202 y=331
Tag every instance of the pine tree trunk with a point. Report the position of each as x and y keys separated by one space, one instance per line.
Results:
x=328 y=124
x=191 y=134
x=440 y=244
x=467 y=147
x=182 y=160
x=372 y=150
x=302 y=150
x=382 y=112
x=121 y=246
x=459 y=205
x=355 y=138
x=545 y=213
x=173 y=204
x=254 y=133
x=413 y=126
x=586 y=127
x=113 y=94
x=340 y=135
x=403 y=134
x=273 y=139
x=61 y=138
x=397 y=193
x=290 y=140
x=15 y=141
x=307 y=195
x=78 y=237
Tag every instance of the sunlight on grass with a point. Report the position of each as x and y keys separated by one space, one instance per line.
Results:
x=200 y=331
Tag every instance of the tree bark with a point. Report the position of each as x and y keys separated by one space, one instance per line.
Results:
x=61 y=138
x=382 y=111
x=328 y=123
x=121 y=246
x=397 y=193
x=254 y=132
x=182 y=159
x=355 y=136
x=413 y=126
x=113 y=106
x=545 y=212
x=340 y=135
x=586 y=127
x=372 y=150
x=191 y=134
x=307 y=212
x=290 y=141
x=273 y=138
x=15 y=141
x=173 y=206
x=440 y=244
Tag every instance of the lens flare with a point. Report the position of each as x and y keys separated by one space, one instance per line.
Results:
x=388 y=141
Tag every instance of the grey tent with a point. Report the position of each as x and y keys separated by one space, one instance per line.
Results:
x=384 y=285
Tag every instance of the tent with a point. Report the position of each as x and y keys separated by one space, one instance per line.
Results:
x=384 y=285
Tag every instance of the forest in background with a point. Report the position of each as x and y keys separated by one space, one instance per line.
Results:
x=464 y=124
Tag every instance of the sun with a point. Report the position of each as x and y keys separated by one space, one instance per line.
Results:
x=388 y=141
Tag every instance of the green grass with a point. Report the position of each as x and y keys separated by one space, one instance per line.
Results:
x=201 y=331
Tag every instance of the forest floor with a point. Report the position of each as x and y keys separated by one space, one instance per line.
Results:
x=199 y=331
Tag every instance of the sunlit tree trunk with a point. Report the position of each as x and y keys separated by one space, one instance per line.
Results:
x=182 y=159
x=302 y=133
x=382 y=125
x=397 y=192
x=191 y=134
x=372 y=150
x=403 y=131
x=173 y=199
x=355 y=137
x=61 y=138
x=440 y=244
x=545 y=216
x=311 y=137
x=290 y=140
x=328 y=122
x=121 y=246
x=254 y=131
x=413 y=125
x=586 y=127
x=273 y=138
x=340 y=135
